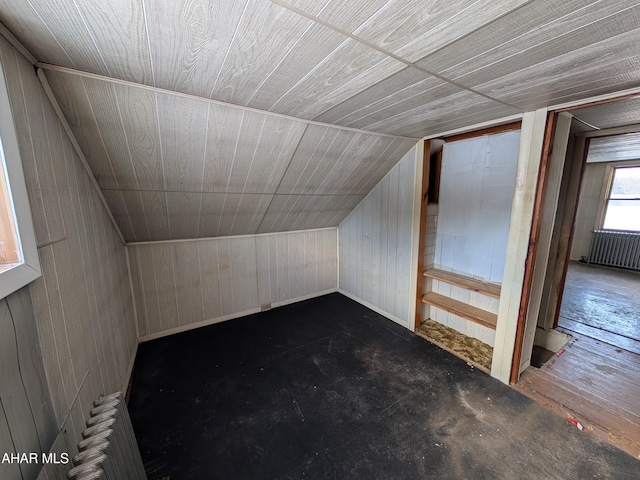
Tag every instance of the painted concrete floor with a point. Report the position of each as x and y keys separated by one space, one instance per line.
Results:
x=327 y=389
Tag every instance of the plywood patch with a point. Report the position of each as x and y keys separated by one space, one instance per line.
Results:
x=468 y=348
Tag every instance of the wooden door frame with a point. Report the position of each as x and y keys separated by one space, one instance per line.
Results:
x=532 y=249
x=566 y=239
x=424 y=200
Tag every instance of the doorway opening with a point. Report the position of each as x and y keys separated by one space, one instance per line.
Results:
x=591 y=285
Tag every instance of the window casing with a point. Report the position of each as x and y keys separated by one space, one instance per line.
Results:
x=19 y=263
x=622 y=207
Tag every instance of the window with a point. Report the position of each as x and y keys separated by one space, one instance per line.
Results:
x=623 y=203
x=19 y=264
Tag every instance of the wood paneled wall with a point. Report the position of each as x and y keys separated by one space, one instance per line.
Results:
x=476 y=190
x=186 y=284
x=591 y=192
x=82 y=302
x=375 y=244
x=27 y=422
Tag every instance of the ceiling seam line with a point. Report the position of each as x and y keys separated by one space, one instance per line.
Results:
x=490 y=22
x=76 y=146
x=127 y=83
x=389 y=54
x=225 y=237
x=17 y=44
x=237 y=193
x=293 y=155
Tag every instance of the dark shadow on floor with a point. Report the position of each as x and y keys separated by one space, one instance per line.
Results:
x=540 y=356
x=329 y=389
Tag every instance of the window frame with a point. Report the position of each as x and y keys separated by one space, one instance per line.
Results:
x=610 y=176
x=24 y=273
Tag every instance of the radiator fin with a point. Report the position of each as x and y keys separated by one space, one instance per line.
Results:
x=109 y=450
x=615 y=249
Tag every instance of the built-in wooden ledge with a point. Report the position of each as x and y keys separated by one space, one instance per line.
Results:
x=461 y=309
x=480 y=286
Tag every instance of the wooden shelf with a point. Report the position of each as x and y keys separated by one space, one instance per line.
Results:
x=460 y=309
x=480 y=286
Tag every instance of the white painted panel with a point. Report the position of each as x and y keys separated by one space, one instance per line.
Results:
x=476 y=189
x=82 y=302
x=586 y=222
x=375 y=244
x=197 y=282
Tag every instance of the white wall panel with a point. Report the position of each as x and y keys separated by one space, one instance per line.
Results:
x=82 y=305
x=375 y=244
x=476 y=190
x=183 y=285
x=586 y=216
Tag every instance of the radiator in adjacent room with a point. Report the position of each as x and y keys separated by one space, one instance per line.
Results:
x=108 y=450
x=615 y=249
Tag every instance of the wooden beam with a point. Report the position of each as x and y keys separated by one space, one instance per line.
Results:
x=602 y=101
x=485 y=131
x=424 y=200
x=529 y=154
x=533 y=243
x=550 y=193
x=569 y=221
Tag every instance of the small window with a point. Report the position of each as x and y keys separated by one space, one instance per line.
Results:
x=623 y=203
x=10 y=251
x=19 y=263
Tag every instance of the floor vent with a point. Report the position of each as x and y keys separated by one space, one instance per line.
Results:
x=615 y=249
x=108 y=450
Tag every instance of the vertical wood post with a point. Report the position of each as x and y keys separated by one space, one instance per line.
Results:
x=424 y=200
x=527 y=173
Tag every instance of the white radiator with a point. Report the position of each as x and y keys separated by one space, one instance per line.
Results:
x=108 y=450
x=615 y=249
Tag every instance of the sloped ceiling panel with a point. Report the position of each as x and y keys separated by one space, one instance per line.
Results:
x=173 y=166
x=410 y=29
x=614 y=149
x=610 y=115
x=355 y=63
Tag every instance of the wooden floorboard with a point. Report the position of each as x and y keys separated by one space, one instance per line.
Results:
x=620 y=341
x=600 y=418
x=595 y=382
x=597 y=378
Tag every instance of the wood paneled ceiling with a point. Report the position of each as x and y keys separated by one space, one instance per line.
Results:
x=616 y=148
x=205 y=118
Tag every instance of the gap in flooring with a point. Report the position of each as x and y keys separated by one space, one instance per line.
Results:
x=328 y=389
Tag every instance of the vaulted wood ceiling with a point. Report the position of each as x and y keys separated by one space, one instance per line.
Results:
x=205 y=118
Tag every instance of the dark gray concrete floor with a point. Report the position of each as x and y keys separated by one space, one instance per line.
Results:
x=327 y=389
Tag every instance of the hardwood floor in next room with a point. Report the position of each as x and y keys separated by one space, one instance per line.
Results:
x=597 y=378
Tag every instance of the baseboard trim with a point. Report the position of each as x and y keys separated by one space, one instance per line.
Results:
x=129 y=376
x=398 y=320
x=231 y=316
